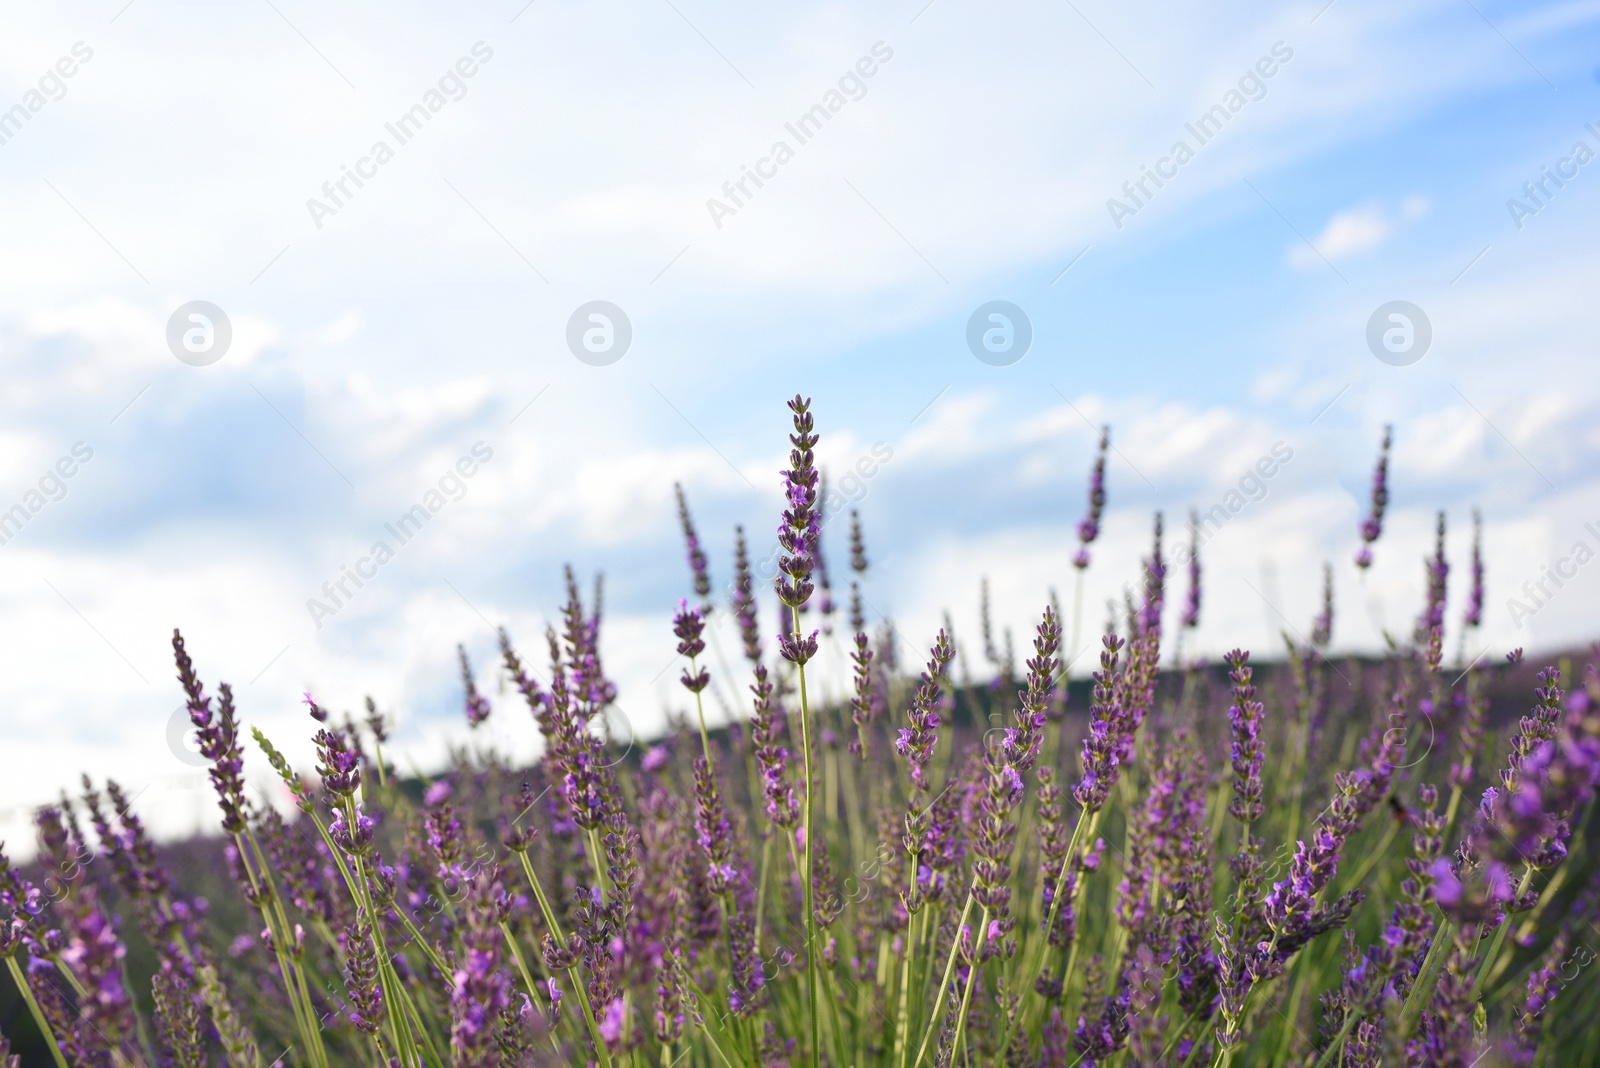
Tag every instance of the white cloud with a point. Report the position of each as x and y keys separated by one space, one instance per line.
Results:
x=1347 y=233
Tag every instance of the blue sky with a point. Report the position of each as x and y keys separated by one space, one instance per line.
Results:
x=372 y=352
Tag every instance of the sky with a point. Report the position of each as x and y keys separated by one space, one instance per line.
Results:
x=400 y=218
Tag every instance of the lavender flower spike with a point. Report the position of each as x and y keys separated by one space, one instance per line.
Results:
x=1089 y=526
x=1473 y=616
x=477 y=706
x=1191 y=608
x=697 y=557
x=744 y=599
x=916 y=742
x=1430 y=626
x=797 y=534
x=771 y=758
x=1322 y=627
x=1372 y=525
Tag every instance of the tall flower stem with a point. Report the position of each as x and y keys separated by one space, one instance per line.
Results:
x=578 y=986
x=1427 y=976
x=700 y=708
x=944 y=983
x=972 y=977
x=805 y=881
x=39 y=1020
x=1500 y=932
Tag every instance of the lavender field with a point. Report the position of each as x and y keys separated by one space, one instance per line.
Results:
x=1282 y=858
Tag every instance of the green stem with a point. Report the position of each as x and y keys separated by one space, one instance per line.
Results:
x=1422 y=989
x=26 y=991
x=972 y=976
x=806 y=879
x=572 y=973
x=1338 y=1040
x=949 y=968
x=1500 y=932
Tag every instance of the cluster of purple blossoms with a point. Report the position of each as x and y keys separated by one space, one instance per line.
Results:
x=993 y=841
x=1292 y=909
x=825 y=603
x=797 y=534
x=1099 y=763
x=744 y=599
x=480 y=989
x=366 y=1010
x=1429 y=633
x=477 y=706
x=1248 y=753
x=712 y=829
x=217 y=734
x=1372 y=525
x=772 y=759
x=649 y=930
x=689 y=626
x=1322 y=626
x=1089 y=525
x=862 y=704
x=1526 y=821
x=1023 y=741
x=1473 y=616
x=916 y=742
x=698 y=564
x=1191 y=607
x=337 y=763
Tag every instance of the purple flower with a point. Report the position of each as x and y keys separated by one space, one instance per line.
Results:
x=339 y=766
x=689 y=625
x=361 y=978
x=1023 y=741
x=482 y=989
x=916 y=742
x=1099 y=761
x=1473 y=616
x=1244 y=720
x=218 y=735
x=611 y=1023
x=712 y=828
x=771 y=758
x=1089 y=525
x=1430 y=625
x=1372 y=526
x=1322 y=626
x=1191 y=608
x=477 y=706
x=861 y=701
x=797 y=534
x=858 y=551
x=744 y=599
x=697 y=556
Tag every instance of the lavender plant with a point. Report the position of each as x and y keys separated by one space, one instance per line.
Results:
x=1242 y=863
